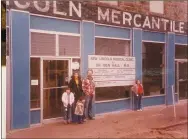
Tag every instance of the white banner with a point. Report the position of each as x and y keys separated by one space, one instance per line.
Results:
x=113 y=83
x=114 y=78
x=112 y=70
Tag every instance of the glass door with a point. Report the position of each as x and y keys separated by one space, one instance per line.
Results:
x=182 y=79
x=55 y=75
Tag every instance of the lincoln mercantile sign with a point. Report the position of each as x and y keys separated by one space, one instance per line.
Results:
x=99 y=14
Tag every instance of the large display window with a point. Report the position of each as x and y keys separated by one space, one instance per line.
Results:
x=112 y=47
x=153 y=64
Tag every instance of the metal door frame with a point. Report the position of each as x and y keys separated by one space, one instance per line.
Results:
x=42 y=86
x=177 y=62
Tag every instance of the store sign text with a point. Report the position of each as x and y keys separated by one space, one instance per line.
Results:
x=112 y=70
x=78 y=10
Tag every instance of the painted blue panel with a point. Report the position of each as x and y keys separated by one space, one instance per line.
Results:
x=153 y=36
x=51 y=24
x=170 y=66
x=137 y=51
x=181 y=39
x=153 y=101
x=20 y=70
x=88 y=45
x=7 y=18
x=35 y=117
x=119 y=105
x=87 y=48
x=112 y=32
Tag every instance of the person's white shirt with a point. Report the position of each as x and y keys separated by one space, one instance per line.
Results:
x=65 y=98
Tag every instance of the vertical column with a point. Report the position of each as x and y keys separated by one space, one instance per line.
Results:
x=170 y=67
x=137 y=51
x=20 y=57
x=87 y=48
x=88 y=45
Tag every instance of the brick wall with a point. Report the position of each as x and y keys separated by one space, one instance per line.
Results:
x=172 y=10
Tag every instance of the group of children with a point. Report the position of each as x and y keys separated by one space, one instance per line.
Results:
x=69 y=106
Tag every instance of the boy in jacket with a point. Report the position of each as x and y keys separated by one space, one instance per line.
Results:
x=68 y=100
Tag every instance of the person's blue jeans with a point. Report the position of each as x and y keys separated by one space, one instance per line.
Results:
x=68 y=113
x=88 y=113
x=137 y=101
x=80 y=119
x=139 y=104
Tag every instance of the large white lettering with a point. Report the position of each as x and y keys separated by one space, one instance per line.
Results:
x=174 y=27
x=127 y=19
x=21 y=6
x=147 y=23
x=135 y=23
x=45 y=9
x=181 y=27
x=56 y=11
x=171 y=25
x=115 y=17
x=76 y=10
x=104 y=16
x=155 y=23
x=165 y=21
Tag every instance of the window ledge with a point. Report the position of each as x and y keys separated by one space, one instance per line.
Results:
x=106 y=101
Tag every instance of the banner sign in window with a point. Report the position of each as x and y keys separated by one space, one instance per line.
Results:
x=112 y=70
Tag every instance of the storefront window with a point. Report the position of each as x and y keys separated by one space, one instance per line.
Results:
x=153 y=68
x=35 y=82
x=112 y=47
x=181 y=52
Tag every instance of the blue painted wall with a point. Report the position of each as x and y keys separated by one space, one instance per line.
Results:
x=153 y=101
x=181 y=39
x=51 y=24
x=118 y=105
x=35 y=116
x=20 y=70
x=137 y=51
x=170 y=66
x=87 y=48
x=88 y=45
x=115 y=32
x=153 y=36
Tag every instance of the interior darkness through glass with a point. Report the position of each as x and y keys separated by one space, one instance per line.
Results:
x=35 y=88
x=153 y=67
x=181 y=52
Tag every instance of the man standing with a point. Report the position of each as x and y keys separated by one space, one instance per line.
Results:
x=88 y=87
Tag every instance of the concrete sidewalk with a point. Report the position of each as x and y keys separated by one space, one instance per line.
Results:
x=116 y=125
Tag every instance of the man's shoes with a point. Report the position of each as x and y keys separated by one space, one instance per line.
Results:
x=91 y=118
x=80 y=122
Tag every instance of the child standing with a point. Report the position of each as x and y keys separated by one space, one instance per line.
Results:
x=68 y=100
x=79 y=110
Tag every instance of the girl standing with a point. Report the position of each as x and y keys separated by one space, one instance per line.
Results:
x=138 y=93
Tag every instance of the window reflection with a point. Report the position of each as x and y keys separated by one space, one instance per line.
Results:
x=55 y=73
x=112 y=47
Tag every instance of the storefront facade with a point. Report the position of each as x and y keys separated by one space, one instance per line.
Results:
x=47 y=45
